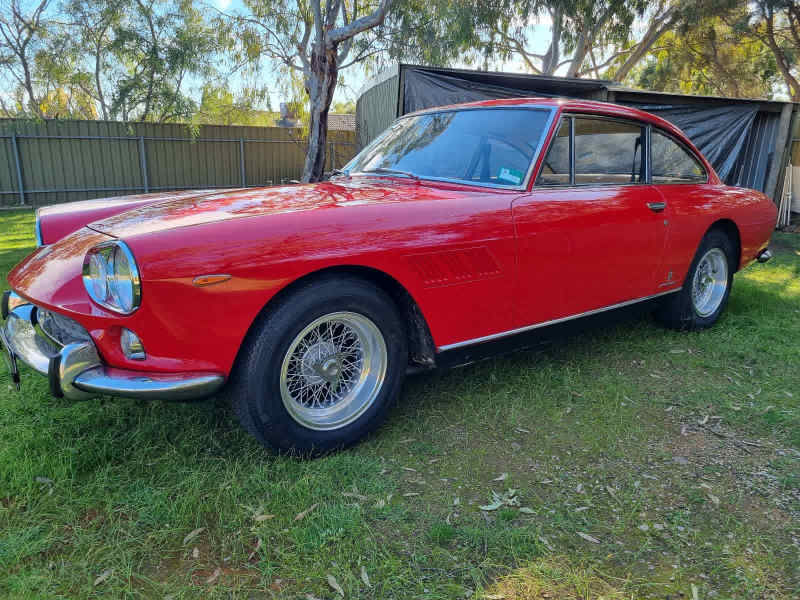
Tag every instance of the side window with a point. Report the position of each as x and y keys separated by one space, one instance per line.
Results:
x=555 y=168
x=672 y=163
x=608 y=152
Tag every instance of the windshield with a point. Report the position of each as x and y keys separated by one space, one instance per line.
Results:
x=489 y=146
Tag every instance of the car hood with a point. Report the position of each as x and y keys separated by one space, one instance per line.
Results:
x=59 y=220
x=190 y=211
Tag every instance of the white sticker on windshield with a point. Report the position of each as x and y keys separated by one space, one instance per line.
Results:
x=510 y=175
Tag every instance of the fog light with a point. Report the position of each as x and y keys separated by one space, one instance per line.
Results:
x=132 y=346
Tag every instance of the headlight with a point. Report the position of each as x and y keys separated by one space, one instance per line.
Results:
x=111 y=277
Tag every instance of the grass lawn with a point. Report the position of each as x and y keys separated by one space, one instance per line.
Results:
x=630 y=462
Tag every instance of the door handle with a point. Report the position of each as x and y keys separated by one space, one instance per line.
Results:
x=656 y=206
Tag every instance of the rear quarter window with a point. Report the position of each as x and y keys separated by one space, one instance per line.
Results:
x=672 y=163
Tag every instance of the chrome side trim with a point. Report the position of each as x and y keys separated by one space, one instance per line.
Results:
x=502 y=334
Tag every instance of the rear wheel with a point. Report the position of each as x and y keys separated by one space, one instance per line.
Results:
x=707 y=287
x=320 y=370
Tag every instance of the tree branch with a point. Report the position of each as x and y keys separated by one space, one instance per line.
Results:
x=355 y=27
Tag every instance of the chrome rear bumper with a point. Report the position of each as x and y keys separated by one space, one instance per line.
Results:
x=75 y=370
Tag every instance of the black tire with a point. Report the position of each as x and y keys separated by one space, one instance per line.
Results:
x=255 y=385
x=678 y=310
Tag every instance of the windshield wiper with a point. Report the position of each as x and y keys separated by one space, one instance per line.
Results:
x=389 y=171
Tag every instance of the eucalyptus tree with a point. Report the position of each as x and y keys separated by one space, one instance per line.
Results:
x=90 y=29
x=159 y=45
x=312 y=39
x=710 y=58
x=577 y=30
x=776 y=23
x=23 y=33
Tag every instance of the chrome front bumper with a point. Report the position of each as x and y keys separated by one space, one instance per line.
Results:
x=75 y=370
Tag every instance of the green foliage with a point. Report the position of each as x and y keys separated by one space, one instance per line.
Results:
x=219 y=106
x=344 y=107
x=159 y=44
x=711 y=58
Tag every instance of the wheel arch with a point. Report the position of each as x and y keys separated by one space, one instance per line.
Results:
x=730 y=229
x=421 y=348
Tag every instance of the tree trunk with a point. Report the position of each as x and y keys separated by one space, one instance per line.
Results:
x=320 y=85
x=657 y=29
x=552 y=56
x=100 y=97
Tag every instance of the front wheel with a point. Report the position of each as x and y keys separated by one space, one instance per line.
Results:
x=321 y=368
x=707 y=287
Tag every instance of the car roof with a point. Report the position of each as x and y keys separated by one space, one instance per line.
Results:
x=566 y=105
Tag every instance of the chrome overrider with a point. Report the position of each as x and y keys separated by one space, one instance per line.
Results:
x=75 y=369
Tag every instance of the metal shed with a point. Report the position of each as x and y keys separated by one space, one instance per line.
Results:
x=747 y=141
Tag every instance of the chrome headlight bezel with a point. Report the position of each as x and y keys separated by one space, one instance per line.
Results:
x=108 y=254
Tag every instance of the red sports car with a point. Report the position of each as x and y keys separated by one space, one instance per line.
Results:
x=307 y=304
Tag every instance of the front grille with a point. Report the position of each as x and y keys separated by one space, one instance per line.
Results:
x=62 y=329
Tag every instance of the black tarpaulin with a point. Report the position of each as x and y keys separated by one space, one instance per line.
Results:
x=426 y=88
x=423 y=89
x=719 y=132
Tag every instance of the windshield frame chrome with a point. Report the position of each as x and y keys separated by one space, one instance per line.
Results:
x=551 y=110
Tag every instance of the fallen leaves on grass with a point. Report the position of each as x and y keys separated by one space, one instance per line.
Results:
x=262 y=518
x=302 y=515
x=507 y=498
x=103 y=577
x=255 y=550
x=193 y=534
x=501 y=477
x=588 y=537
x=335 y=585
x=354 y=495
x=214 y=576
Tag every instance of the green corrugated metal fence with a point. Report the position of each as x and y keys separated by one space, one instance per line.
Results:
x=49 y=162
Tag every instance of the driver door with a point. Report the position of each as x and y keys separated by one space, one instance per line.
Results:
x=591 y=233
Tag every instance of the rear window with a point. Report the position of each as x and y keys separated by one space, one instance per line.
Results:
x=672 y=163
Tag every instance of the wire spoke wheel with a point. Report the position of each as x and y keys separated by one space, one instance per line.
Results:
x=710 y=282
x=333 y=370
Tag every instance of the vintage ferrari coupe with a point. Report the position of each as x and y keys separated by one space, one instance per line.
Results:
x=307 y=304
